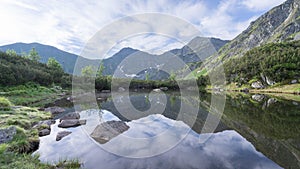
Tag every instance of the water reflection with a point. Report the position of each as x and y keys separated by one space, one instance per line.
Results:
x=271 y=126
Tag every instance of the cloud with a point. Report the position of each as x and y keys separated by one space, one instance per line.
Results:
x=68 y=25
x=258 y=5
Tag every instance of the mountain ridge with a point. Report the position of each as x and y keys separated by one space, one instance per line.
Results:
x=282 y=23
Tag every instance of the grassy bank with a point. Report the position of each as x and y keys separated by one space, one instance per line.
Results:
x=16 y=153
x=278 y=88
x=32 y=94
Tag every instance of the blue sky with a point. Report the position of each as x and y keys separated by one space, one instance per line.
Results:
x=68 y=24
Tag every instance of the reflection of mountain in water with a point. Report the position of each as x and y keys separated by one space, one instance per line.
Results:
x=141 y=102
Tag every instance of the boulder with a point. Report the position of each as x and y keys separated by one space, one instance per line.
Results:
x=62 y=134
x=69 y=116
x=7 y=134
x=55 y=110
x=108 y=130
x=257 y=85
x=71 y=123
x=44 y=132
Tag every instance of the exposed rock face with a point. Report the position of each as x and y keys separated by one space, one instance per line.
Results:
x=108 y=130
x=281 y=23
x=7 y=134
x=69 y=116
x=55 y=110
x=71 y=123
x=257 y=85
x=62 y=134
x=258 y=97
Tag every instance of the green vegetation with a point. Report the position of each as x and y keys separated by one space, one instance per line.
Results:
x=16 y=70
x=16 y=153
x=30 y=94
x=5 y=104
x=278 y=61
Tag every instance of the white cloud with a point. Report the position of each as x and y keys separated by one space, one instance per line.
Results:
x=68 y=25
x=259 y=5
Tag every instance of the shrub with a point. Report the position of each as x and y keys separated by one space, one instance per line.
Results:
x=5 y=103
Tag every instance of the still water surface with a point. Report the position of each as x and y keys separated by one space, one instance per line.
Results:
x=255 y=132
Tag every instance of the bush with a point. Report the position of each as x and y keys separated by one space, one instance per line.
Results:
x=5 y=103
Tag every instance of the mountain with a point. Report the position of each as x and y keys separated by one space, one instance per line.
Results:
x=280 y=24
x=204 y=47
x=67 y=60
x=197 y=50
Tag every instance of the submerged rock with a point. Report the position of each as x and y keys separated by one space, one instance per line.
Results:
x=71 y=123
x=108 y=130
x=69 y=116
x=62 y=134
x=7 y=134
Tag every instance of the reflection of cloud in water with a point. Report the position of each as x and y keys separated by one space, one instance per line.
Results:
x=226 y=149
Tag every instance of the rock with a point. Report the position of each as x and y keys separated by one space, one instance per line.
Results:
x=163 y=88
x=156 y=90
x=121 y=89
x=271 y=101
x=258 y=97
x=44 y=132
x=294 y=81
x=55 y=110
x=44 y=123
x=41 y=109
x=69 y=116
x=108 y=130
x=246 y=90
x=269 y=81
x=7 y=134
x=295 y=103
x=71 y=98
x=62 y=134
x=71 y=123
x=257 y=85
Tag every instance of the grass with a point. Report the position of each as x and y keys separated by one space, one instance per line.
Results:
x=30 y=94
x=288 y=88
x=16 y=153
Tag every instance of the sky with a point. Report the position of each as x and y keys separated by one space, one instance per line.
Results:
x=70 y=24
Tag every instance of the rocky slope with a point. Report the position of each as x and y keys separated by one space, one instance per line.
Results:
x=281 y=23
